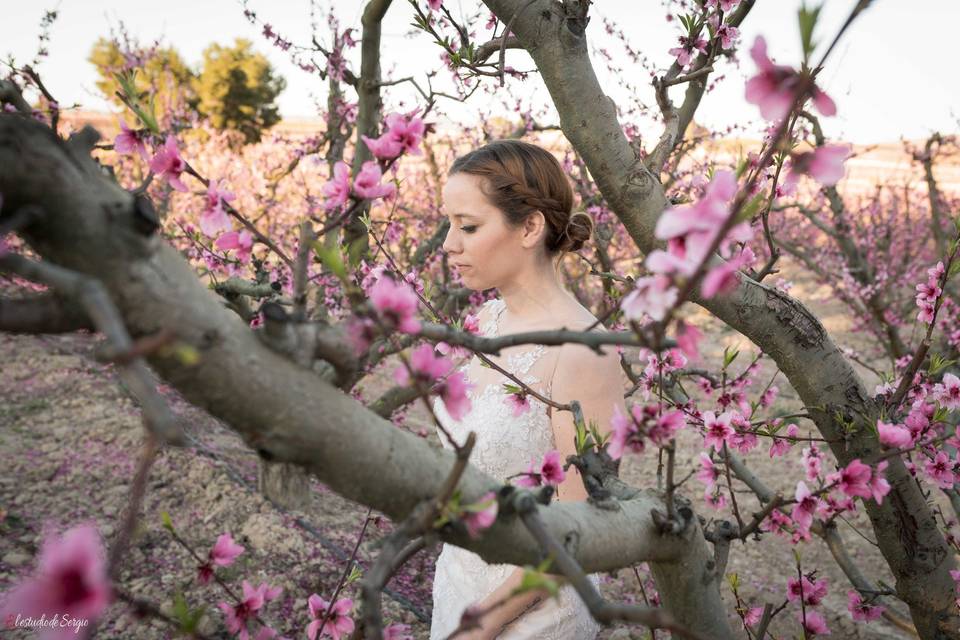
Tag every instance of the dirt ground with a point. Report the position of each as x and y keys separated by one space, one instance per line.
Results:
x=70 y=437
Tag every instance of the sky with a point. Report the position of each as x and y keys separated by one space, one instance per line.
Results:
x=893 y=74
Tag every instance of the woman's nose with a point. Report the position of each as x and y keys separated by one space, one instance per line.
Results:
x=451 y=243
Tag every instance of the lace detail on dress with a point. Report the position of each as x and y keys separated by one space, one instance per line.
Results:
x=505 y=446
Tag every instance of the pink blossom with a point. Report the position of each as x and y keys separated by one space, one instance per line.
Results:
x=813 y=591
x=892 y=435
x=552 y=468
x=427 y=367
x=813 y=623
x=861 y=611
x=622 y=437
x=518 y=402
x=811 y=461
x=725 y=5
x=752 y=616
x=774 y=87
x=403 y=135
x=854 y=479
x=434 y=4
x=481 y=515
x=717 y=499
x=168 y=164
x=367 y=183
x=223 y=553
x=652 y=296
x=397 y=630
x=253 y=600
x=722 y=279
x=686 y=51
x=667 y=424
x=71 y=580
x=947 y=393
x=824 y=164
x=940 y=470
x=337 y=189
x=708 y=473
x=530 y=478
x=718 y=429
x=241 y=241
x=453 y=393
x=688 y=337
x=805 y=508
x=782 y=444
x=396 y=303
x=214 y=219
x=129 y=141
x=337 y=623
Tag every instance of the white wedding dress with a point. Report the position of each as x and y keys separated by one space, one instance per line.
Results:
x=505 y=446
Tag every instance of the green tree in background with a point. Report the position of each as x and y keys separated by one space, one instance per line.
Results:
x=163 y=74
x=237 y=89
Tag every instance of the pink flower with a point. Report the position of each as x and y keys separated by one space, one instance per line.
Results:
x=552 y=468
x=708 y=473
x=718 y=429
x=879 y=486
x=725 y=5
x=652 y=296
x=168 y=164
x=223 y=553
x=780 y=444
x=940 y=470
x=241 y=241
x=752 y=616
x=687 y=49
x=624 y=434
x=397 y=630
x=453 y=392
x=861 y=611
x=434 y=4
x=688 y=337
x=71 y=580
x=129 y=141
x=427 y=367
x=337 y=189
x=811 y=461
x=403 y=135
x=854 y=479
x=253 y=600
x=722 y=279
x=813 y=591
x=813 y=623
x=338 y=623
x=947 y=393
x=825 y=164
x=773 y=88
x=214 y=219
x=367 y=183
x=805 y=508
x=396 y=303
x=518 y=402
x=896 y=436
x=480 y=515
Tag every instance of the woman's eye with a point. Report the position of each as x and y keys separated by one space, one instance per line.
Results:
x=469 y=228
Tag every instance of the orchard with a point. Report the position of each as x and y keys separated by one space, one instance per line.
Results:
x=785 y=464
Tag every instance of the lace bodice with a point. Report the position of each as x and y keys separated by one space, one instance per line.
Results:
x=505 y=446
x=505 y=443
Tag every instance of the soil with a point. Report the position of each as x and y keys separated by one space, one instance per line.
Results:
x=71 y=435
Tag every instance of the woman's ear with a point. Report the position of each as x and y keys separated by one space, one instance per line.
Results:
x=534 y=226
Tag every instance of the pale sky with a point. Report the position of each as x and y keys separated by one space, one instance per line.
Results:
x=893 y=75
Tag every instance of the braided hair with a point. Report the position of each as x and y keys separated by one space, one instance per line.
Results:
x=522 y=178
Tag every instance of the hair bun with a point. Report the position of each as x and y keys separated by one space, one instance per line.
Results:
x=578 y=230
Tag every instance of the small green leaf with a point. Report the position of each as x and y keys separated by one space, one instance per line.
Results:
x=734 y=580
x=355 y=574
x=167 y=522
x=332 y=259
x=808 y=21
x=938 y=363
x=729 y=355
x=536 y=579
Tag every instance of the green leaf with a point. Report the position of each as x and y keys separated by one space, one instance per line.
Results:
x=355 y=574
x=734 y=580
x=751 y=207
x=167 y=522
x=536 y=579
x=512 y=388
x=332 y=259
x=808 y=21
x=954 y=267
x=938 y=363
x=940 y=415
x=729 y=355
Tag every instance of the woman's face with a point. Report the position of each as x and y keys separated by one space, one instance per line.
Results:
x=483 y=248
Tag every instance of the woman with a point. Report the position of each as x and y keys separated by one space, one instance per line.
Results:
x=509 y=205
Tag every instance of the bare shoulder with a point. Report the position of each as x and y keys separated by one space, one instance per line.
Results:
x=581 y=366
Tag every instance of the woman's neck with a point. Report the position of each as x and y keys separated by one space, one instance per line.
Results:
x=535 y=295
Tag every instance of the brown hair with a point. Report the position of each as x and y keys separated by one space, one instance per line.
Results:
x=523 y=178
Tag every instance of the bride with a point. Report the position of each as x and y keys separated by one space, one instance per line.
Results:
x=509 y=205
